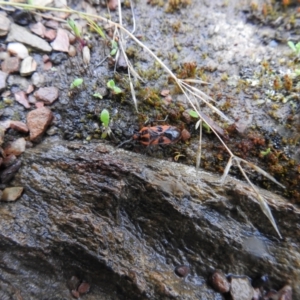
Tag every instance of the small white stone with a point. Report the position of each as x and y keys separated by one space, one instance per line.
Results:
x=28 y=66
x=17 y=49
x=86 y=55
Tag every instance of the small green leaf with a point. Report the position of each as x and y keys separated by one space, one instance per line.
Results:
x=114 y=45
x=206 y=127
x=76 y=82
x=104 y=117
x=292 y=46
x=111 y=84
x=193 y=114
x=117 y=90
x=104 y=135
x=98 y=95
x=264 y=153
x=113 y=52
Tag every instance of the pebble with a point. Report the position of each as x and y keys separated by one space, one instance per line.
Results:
x=47 y=94
x=3 y=77
x=30 y=89
x=61 y=42
x=38 y=28
x=22 y=17
x=285 y=293
x=182 y=271
x=38 y=121
x=4 y=55
x=47 y=66
x=28 y=66
x=83 y=288
x=11 y=194
x=241 y=289
x=112 y=4
x=50 y=35
x=38 y=79
x=22 y=99
x=52 y=24
x=10 y=65
x=4 y=25
x=20 y=34
x=18 y=50
x=10 y=172
x=72 y=51
x=19 y=126
x=73 y=283
x=86 y=55
x=16 y=147
x=219 y=282
x=58 y=57
x=185 y=135
x=19 y=81
x=9 y=160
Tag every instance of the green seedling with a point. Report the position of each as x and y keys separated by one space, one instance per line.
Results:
x=294 y=47
x=97 y=95
x=112 y=86
x=104 y=118
x=193 y=114
x=76 y=83
x=114 y=48
x=74 y=28
x=264 y=153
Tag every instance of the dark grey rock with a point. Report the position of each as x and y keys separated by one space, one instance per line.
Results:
x=122 y=221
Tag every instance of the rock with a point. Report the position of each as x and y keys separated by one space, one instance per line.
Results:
x=38 y=121
x=39 y=29
x=41 y=2
x=10 y=172
x=19 y=126
x=50 y=35
x=38 y=79
x=9 y=160
x=60 y=3
x=219 y=282
x=28 y=66
x=75 y=294
x=47 y=66
x=47 y=94
x=52 y=24
x=17 y=80
x=58 y=57
x=182 y=271
x=21 y=97
x=39 y=104
x=83 y=288
x=61 y=42
x=73 y=283
x=22 y=17
x=122 y=219
x=3 y=77
x=12 y=194
x=185 y=135
x=16 y=147
x=72 y=51
x=112 y=4
x=241 y=289
x=22 y=35
x=10 y=65
x=285 y=293
x=30 y=89
x=18 y=50
x=4 y=55
x=86 y=55
x=4 y=25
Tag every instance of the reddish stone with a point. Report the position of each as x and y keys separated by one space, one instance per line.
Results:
x=38 y=28
x=83 y=288
x=10 y=65
x=219 y=282
x=185 y=135
x=50 y=35
x=22 y=99
x=47 y=94
x=19 y=126
x=38 y=121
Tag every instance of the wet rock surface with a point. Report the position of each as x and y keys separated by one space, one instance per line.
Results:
x=123 y=222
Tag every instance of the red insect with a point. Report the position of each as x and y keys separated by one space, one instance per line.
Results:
x=158 y=135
